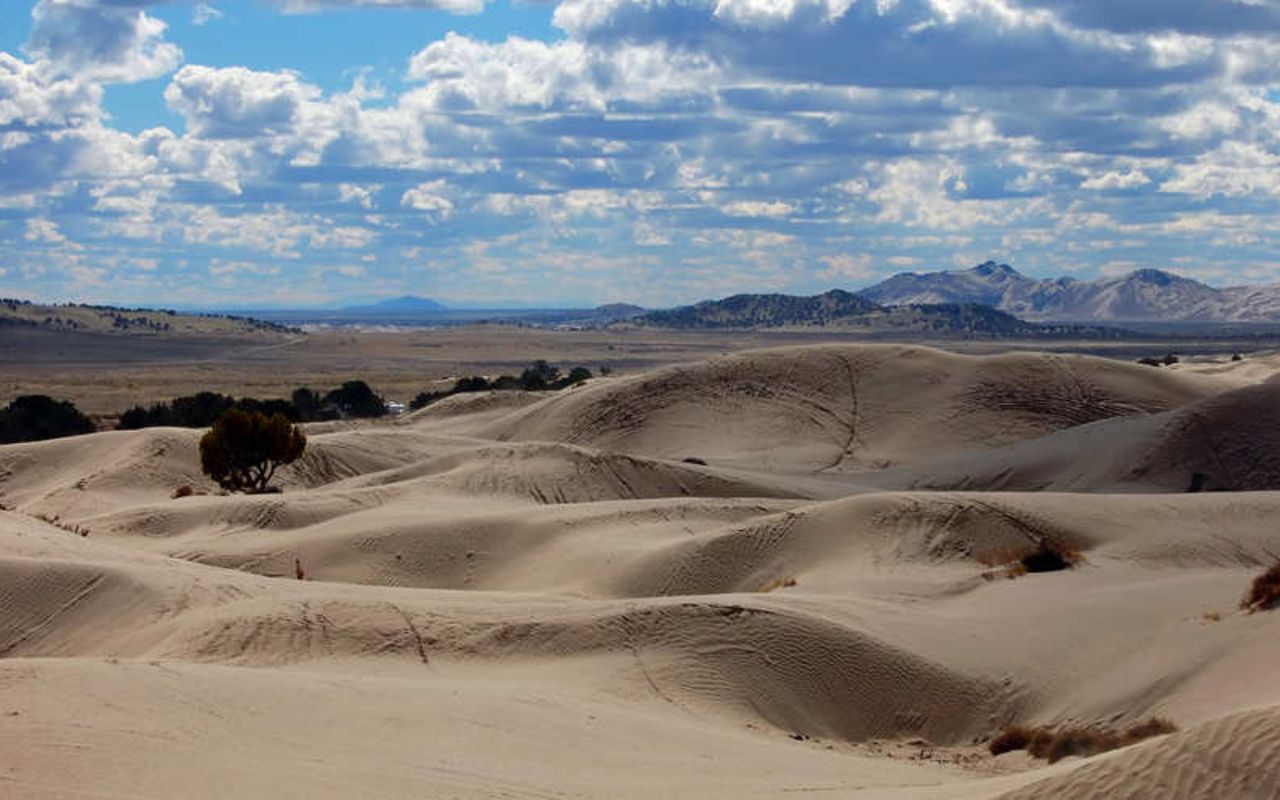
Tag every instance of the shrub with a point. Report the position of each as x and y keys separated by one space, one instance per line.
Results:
x=35 y=417
x=539 y=376
x=243 y=449
x=185 y=490
x=1015 y=737
x=1264 y=593
x=1055 y=745
x=577 y=375
x=356 y=399
x=1048 y=555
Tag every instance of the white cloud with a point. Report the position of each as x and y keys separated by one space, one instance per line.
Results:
x=1116 y=180
x=757 y=208
x=204 y=13
x=100 y=41
x=429 y=197
x=234 y=102
x=43 y=231
x=1234 y=169
x=847 y=267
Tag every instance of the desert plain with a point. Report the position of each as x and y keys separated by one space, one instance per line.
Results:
x=732 y=568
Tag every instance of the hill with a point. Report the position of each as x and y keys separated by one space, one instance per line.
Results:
x=844 y=310
x=1145 y=295
x=761 y=311
x=81 y=318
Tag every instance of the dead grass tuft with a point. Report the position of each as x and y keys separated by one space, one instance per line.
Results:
x=778 y=583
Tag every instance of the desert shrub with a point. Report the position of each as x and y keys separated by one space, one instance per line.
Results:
x=200 y=410
x=1015 y=737
x=1047 y=555
x=577 y=375
x=243 y=449
x=185 y=490
x=538 y=377
x=356 y=399
x=1264 y=592
x=1054 y=745
x=35 y=417
x=307 y=405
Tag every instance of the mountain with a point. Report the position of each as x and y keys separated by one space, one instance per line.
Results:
x=407 y=304
x=761 y=311
x=841 y=310
x=1145 y=295
x=985 y=284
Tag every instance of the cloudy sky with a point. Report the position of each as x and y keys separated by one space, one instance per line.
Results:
x=293 y=152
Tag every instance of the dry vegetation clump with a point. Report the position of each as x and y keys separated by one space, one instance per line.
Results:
x=58 y=522
x=1054 y=745
x=778 y=583
x=1046 y=555
x=185 y=490
x=1264 y=593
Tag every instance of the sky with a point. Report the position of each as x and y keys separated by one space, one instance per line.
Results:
x=272 y=153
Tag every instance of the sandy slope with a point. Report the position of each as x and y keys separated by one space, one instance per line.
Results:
x=528 y=596
x=1226 y=442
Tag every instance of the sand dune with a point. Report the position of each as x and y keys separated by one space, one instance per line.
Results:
x=846 y=407
x=1226 y=442
x=537 y=596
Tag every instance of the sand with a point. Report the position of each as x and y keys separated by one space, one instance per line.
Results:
x=539 y=595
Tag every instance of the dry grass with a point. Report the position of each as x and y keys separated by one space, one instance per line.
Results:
x=1054 y=745
x=778 y=583
x=1264 y=593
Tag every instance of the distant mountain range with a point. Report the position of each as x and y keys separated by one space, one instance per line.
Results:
x=845 y=311
x=407 y=304
x=1145 y=295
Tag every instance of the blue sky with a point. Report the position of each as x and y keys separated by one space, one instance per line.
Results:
x=294 y=152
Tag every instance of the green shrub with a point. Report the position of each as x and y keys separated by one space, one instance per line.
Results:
x=35 y=417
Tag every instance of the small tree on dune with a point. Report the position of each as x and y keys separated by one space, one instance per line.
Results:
x=243 y=449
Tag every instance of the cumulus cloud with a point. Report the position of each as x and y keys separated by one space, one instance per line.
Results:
x=429 y=197
x=31 y=98
x=671 y=147
x=101 y=40
x=237 y=103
